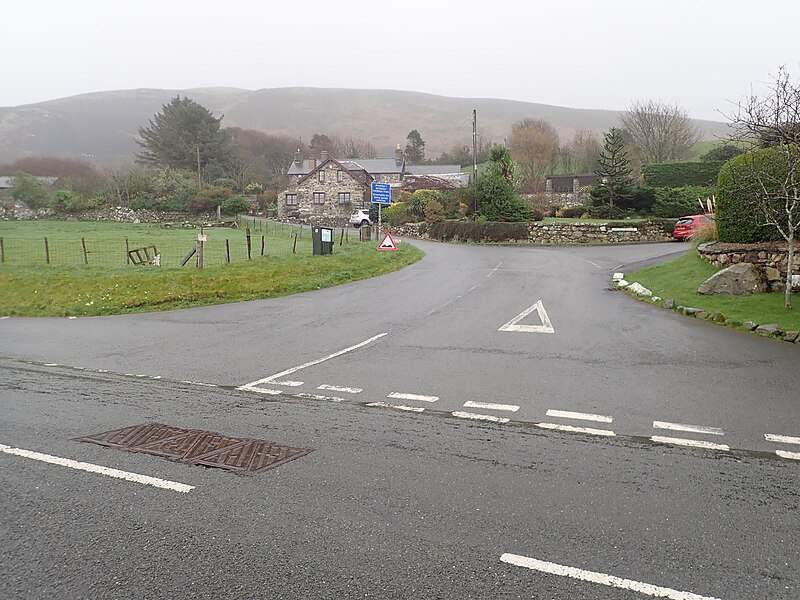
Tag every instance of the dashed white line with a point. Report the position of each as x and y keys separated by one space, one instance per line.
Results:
x=479 y=417
x=567 y=414
x=417 y=409
x=691 y=443
x=688 y=428
x=491 y=406
x=781 y=439
x=200 y=383
x=336 y=388
x=50 y=365
x=318 y=397
x=573 y=429
x=417 y=397
x=288 y=383
x=600 y=578
x=495 y=269
x=259 y=390
x=99 y=469
x=789 y=455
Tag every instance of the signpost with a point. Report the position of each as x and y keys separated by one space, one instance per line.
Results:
x=381 y=194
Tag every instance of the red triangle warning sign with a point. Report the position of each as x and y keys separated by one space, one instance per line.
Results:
x=387 y=243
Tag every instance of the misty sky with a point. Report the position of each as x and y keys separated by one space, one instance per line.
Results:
x=705 y=55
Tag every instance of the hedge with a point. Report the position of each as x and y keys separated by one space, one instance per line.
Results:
x=681 y=174
x=476 y=231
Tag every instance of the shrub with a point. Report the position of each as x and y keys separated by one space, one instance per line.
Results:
x=681 y=174
x=30 y=190
x=225 y=182
x=434 y=211
x=705 y=232
x=571 y=212
x=738 y=216
x=477 y=231
x=67 y=201
x=234 y=206
x=605 y=211
x=677 y=202
x=397 y=213
x=419 y=200
x=209 y=198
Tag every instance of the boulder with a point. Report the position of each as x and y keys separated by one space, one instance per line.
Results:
x=639 y=289
x=737 y=280
x=770 y=329
x=749 y=325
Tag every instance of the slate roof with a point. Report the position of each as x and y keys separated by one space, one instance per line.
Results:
x=433 y=170
x=564 y=183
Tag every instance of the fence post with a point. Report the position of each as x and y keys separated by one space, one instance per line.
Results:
x=262 y=245
x=199 y=254
x=341 y=239
x=46 y=251
x=294 y=246
x=247 y=234
x=227 y=252
x=2 y=252
x=85 y=252
x=127 y=252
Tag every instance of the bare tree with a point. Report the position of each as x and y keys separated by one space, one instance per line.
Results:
x=582 y=151
x=658 y=131
x=357 y=148
x=534 y=147
x=773 y=172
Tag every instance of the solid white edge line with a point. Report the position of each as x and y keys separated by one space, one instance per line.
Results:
x=478 y=417
x=781 y=439
x=271 y=378
x=573 y=429
x=199 y=383
x=687 y=428
x=417 y=409
x=336 y=388
x=289 y=383
x=601 y=578
x=247 y=388
x=491 y=406
x=99 y=469
x=691 y=443
x=318 y=397
x=789 y=455
x=567 y=414
x=417 y=397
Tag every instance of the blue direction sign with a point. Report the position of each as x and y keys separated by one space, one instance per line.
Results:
x=381 y=193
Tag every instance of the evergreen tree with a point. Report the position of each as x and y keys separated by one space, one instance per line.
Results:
x=184 y=135
x=613 y=168
x=498 y=200
x=415 y=148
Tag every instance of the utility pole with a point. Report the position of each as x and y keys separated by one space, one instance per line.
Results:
x=475 y=155
x=199 y=181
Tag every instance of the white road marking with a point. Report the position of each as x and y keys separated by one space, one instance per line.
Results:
x=272 y=378
x=318 y=397
x=260 y=390
x=91 y=468
x=781 y=439
x=494 y=270
x=545 y=327
x=573 y=429
x=689 y=428
x=1 y=318
x=566 y=414
x=479 y=417
x=691 y=443
x=50 y=364
x=490 y=406
x=790 y=455
x=199 y=383
x=601 y=578
x=289 y=383
x=418 y=409
x=417 y=397
x=336 y=388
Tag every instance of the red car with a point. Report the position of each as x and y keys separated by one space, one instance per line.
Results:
x=686 y=225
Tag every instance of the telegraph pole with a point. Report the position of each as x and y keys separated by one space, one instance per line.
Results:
x=475 y=155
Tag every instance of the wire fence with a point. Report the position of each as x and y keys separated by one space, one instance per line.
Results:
x=251 y=240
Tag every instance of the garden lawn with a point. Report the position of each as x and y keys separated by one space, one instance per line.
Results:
x=679 y=279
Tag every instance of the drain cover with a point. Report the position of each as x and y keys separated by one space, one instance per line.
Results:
x=245 y=456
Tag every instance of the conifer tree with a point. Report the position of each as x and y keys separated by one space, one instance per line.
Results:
x=613 y=167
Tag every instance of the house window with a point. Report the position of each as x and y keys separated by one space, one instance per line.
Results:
x=322 y=176
x=291 y=199
x=340 y=176
x=344 y=197
x=319 y=197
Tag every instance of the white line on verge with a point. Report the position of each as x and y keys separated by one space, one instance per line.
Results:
x=789 y=455
x=601 y=578
x=691 y=443
x=417 y=397
x=573 y=429
x=336 y=388
x=199 y=383
x=91 y=468
x=272 y=378
x=566 y=414
x=490 y=406
x=689 y=428
x=260 y=390
x=289 y=383
x=418 y=409
x=478 y=417
x=781 y=439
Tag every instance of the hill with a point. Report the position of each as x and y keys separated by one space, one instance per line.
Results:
x=102 y=127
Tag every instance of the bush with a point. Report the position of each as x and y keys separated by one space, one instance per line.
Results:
x=605 y=211
x=67 y=201
x=208 y=199
x=419 y=200
x=397 y=213
x=738 y=216
x=670 y=175
x=234 y=206
x=476 y=231
x=30 y=190
x=434 y=211
x=677 y=202
x=633 y=198
x=571 y=212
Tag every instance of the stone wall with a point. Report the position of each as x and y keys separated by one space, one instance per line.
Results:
x=770 y=259
x=121 y=214
x=555 y=234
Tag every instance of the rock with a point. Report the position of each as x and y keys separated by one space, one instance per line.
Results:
x=796 y=282
x=623 y=283
x=749 y=325
x=638 y=288
x=718 y=317
x=688 y=310
x=769 y=329
x=669 y=303
x=772 y=274
x=737 y=280
x=791 y=336
x=701 y=314
x=618 y=276
x=656 y=298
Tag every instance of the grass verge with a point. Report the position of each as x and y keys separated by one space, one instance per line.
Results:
x=679 y=279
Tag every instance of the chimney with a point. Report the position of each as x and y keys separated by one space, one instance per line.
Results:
x=324 y=155
x=398 y=156
x=298 y=158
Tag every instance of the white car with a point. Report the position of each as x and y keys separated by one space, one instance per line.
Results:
x=360 y=217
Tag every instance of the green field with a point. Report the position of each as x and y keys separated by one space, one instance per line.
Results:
x=109 y=285
x=679 y=279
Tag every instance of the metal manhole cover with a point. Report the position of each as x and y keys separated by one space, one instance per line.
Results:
x=245 y=456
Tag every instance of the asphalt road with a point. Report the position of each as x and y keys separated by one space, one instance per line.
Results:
x=406 y=495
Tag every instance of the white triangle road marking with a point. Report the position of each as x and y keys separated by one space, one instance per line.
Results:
x=545 y=327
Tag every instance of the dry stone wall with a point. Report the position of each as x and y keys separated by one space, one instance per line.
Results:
x=770 y=259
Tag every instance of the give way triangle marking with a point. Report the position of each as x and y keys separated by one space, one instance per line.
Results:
x=545 y=327
x=387 y=243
